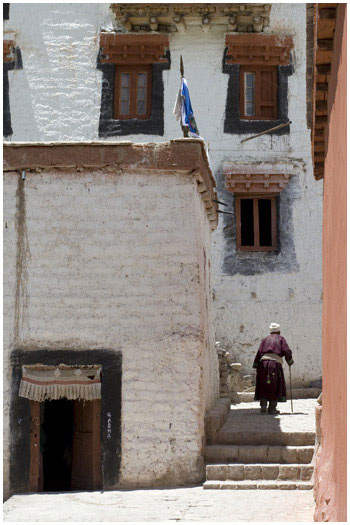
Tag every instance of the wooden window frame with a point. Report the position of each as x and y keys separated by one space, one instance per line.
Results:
x=256 y=247
x=258 y=103
x=132 y=70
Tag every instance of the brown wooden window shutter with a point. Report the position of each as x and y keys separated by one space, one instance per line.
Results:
x=132 y=93
x=258 y=92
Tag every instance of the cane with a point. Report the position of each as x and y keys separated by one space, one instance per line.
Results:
x=291 y=392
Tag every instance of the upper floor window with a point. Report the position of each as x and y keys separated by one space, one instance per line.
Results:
x=132 y=96
x=258 y=93
x=256 y=195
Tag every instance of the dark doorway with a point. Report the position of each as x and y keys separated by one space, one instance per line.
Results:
x=56 y=440
x=65 y=444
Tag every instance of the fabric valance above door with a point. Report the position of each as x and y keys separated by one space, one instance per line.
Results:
x=45 y=382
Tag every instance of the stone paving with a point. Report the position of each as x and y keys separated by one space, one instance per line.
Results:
x=190 y=503
x=181 y=504
x=247 y=417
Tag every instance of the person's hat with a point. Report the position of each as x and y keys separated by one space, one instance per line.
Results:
x=274 y=327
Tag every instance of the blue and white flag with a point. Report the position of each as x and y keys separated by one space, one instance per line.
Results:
x=183 y=109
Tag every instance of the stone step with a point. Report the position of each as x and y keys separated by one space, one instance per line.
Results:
x=258 y=485
x=298 y=393
x=258 y=454
x=255 y=472
x=216 y=417
x=231 y=437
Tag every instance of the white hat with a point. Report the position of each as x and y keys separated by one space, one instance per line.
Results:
x=274 y=327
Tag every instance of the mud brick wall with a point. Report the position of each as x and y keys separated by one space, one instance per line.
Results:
x=117 y=258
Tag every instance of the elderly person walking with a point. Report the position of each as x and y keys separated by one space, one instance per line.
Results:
x=270 y=383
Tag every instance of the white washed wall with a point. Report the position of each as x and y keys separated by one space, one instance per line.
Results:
x=57 y=97
x=113 y=261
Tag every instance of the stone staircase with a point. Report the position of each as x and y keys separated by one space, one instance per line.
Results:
x=258 y=451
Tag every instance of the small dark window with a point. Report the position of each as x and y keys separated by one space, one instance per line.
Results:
x=256 y=224
x=132 y=97
x=258 y=93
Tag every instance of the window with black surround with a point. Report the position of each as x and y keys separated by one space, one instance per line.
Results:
x=12 y=60
x=256 y=228
x=255 y=205
x=257 y=96
x=132 y=98
x=258 y=92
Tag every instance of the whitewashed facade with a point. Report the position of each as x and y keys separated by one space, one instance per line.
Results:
x=56 y=96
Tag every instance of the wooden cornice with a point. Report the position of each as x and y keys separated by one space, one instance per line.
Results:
x=324 y=30
x=170 y=17
x=120 y=48
x=258 y=49
x=255 y=179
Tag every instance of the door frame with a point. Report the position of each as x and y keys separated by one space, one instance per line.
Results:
x=111 y=399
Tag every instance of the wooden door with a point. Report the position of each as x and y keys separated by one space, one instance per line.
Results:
x=86 y=454
x=34 y=446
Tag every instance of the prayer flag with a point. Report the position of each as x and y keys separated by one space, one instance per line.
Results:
x=183 y=109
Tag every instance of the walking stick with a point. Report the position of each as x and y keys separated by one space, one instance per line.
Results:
x=291 y=392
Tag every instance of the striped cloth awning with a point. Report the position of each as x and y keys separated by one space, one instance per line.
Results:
x=44 y=382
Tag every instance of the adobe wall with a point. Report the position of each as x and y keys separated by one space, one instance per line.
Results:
x=115 y=259
x=57 y=96
x=331 y=475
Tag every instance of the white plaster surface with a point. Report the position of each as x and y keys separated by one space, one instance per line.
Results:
x=9 y=309
x=57 y=97
x=112 y=261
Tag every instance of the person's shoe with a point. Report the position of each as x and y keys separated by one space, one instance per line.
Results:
x=263 y=410
x=274 y=412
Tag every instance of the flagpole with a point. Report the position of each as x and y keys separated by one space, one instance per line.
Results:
x=182 y=73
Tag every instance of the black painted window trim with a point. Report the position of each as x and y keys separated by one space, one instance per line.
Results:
x=233 y=124
x=6 y=11
x=9 y=66
x=111 y=127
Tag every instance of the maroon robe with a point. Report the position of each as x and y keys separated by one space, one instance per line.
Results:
x=270 y=383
